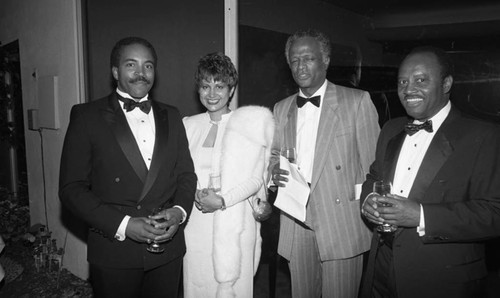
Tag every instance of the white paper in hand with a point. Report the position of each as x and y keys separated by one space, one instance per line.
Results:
x=292 y=198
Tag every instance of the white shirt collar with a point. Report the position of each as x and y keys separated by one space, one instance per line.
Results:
x=126 y=95
x=321 y=91
x=439 y=118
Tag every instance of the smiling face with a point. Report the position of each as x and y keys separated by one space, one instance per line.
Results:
x=421 y=89
x=215 y=95
x=135 y=73
x=307 y=64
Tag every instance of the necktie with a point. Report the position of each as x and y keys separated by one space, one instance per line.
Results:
x=302 y=101
x=411 y=128
x=129 y=105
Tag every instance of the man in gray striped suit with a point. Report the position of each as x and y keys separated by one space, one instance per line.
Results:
x=334 y=130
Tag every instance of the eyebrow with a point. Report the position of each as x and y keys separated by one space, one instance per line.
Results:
x=135 y=60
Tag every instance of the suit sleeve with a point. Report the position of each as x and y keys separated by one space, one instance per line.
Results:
x=373 y=175
x=474 y=213
x=184 y=169
x=277 y=143
x=75 y=191
x=367 y=131
x=367 y=134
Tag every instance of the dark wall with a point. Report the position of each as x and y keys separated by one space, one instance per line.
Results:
x=180 y=31
x=265 y=77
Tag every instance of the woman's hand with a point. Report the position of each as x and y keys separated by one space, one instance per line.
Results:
x=207 y=201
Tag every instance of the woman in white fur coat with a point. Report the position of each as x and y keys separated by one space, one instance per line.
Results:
x=222 y=237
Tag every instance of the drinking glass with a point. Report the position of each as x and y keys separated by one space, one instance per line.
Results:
x=155 y=247
x=383 y=188
x=214 y=182
x=289 y=153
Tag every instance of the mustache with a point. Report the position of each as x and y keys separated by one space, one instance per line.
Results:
x=140 y=79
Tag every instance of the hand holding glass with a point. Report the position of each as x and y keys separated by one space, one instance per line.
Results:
x=155 y=246
x=384 y=188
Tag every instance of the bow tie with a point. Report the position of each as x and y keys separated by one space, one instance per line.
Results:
x=411 y=128
x=129 y=105
x=302 y=101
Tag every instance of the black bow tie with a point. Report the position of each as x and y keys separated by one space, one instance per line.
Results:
x=129 y=104
x=302 y=101
x=411 y=128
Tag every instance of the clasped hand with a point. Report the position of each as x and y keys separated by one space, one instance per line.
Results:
x=207 y=201
x=147 y=229
x=392 y=209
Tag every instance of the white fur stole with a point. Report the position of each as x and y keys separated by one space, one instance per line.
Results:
x=249 y=129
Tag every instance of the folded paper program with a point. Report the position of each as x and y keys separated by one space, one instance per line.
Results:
x=292 y=198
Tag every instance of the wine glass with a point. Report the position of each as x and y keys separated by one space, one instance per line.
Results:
x=214 y=182
x=289 y=153
x=383 y=188
x=155 y=247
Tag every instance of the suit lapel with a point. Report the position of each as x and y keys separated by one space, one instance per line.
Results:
x=290 y=129
x=113 y=115
x=437 y=154
x=325 y=135
x=392 y=155
x=160 y=148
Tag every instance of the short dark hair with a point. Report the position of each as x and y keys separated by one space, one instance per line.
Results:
x=444 y=60
x=217 y=66
x=324 y=42
x=122 y=43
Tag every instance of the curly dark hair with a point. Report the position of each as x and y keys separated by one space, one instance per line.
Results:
x=218 y=67
x=122 y=43
x=324 y=42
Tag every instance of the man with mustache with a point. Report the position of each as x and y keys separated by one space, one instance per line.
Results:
x=124 y=155
x=444 y=168
x=334 y=131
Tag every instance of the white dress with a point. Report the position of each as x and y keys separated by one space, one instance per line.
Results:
x=222 y=254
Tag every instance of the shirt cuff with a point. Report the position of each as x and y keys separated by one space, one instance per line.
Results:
x=421 y=224
x=120 y=234
x=184 y=214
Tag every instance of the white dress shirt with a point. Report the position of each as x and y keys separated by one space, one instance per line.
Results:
x=411 y=156
x=307 y=130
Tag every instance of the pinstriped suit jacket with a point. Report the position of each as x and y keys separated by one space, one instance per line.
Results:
x=345 y=148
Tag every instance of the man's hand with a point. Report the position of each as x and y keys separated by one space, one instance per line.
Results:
x=140 y=229
x=200 y=193
x=400 y=211
x=168 y=221
x=370 y=209
x=278 y=176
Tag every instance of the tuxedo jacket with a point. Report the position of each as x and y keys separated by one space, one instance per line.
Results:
x=103 y=177
x=458 y=186
x=345 y=148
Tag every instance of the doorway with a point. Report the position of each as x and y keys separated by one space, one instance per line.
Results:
x=13 y=177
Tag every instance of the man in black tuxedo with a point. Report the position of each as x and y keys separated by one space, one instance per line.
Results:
x=123 y=155
x=445 y=173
